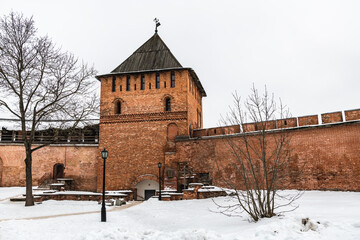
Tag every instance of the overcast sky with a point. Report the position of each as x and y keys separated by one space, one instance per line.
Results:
x=306 y=52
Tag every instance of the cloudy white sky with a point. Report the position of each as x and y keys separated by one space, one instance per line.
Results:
x=306 y=52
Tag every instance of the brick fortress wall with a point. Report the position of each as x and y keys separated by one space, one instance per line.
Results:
x=80 y=164
x=329 y=152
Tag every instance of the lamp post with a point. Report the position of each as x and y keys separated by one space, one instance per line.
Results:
x=159 y=166
x=104 y=155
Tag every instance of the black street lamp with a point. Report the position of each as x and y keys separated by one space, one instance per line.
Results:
x=104 y=155
x=159 y=166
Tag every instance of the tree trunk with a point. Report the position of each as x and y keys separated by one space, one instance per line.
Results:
x=28 y=161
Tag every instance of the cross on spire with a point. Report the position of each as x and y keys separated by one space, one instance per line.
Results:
x=157 y=24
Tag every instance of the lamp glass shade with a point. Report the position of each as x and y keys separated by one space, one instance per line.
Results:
x=159 y=164
x=104 y=153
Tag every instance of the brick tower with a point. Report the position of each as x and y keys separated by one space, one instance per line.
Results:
x=145 y=102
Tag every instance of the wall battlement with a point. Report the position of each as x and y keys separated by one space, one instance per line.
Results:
x=310 y=120
x=86 y=135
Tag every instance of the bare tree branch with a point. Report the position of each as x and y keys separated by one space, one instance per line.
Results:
x=40 y=82
x=260 y=156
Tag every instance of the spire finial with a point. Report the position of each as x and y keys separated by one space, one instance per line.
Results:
x=157 y=23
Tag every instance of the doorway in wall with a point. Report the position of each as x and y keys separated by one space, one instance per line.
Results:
x=58 y=171
x=146 y=189
x=149 y=194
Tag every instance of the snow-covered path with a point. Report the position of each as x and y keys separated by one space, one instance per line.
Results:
x=112 y=209
x=9 y=192
x=338 y=213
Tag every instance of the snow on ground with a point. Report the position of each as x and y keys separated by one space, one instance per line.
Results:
x=338 y=213
x=8 y=192
x=16 y=210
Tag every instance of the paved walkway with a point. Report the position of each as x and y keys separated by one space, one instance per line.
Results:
x=8 y=198
x=133 y=203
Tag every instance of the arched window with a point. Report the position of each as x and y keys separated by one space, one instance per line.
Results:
x=118 y=107
x=167 y=104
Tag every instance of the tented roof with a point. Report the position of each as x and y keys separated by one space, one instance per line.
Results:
x=152 y=55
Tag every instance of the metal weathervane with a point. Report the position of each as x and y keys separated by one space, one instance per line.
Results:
x=157 y=24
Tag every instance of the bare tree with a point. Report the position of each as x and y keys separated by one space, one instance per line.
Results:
x=39 y=82
x=260 y=157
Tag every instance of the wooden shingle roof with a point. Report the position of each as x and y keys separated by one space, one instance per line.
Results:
x=152 y=55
